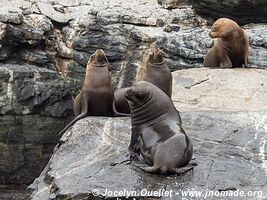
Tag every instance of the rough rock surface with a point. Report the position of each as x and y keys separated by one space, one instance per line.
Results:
x=34 y=105
x=242 y=11
x=61 y=35
x=44 y=37
x=229 y=146
x=220 y=89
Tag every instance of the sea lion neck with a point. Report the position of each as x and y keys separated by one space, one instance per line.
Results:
x=148 y=113
x=149 y=64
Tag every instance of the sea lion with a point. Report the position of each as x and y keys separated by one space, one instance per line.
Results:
x=231 y=46
x=121 y=103
x=157 y=131
x=96 y=97
x=155 y=71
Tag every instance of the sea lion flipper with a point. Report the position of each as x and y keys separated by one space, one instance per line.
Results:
x=151 y=170
x=225 y=62
x=134 y=147
x=72 y=122
x=181 y=170
x=116 y=113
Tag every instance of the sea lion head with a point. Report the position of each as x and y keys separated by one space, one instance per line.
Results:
x=98 y=59
x=156 y=56
x=147 y=103
x=139 y=94
x=223 y=27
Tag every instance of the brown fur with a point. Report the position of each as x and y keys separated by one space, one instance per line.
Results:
x=231 y=46
x=156 y=71
x=96 y=97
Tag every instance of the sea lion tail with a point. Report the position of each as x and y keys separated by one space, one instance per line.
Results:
x=82 y=115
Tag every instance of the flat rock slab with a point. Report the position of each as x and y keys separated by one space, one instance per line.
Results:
x=220 y=89
x=229 y=149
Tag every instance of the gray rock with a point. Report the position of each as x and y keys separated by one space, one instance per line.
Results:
x=244 y=12
x=170 y=4
x=2 y=30
x=48 y=10
x=229 y=141
x=220 y=90
x=35 y=56
x=30 y=90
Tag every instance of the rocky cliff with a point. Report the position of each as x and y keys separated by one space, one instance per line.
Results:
x=44 y=47
x=242 y=11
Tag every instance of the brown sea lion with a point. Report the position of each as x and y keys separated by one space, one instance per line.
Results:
x=157 y=131
x=96 y=97
x=155 y=71
x=231 y=46
x=121 y=103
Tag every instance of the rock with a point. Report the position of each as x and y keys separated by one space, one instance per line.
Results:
x=48 y=10
x=35 y=104
x=30 y=90
x=35 y=56
x=9 y=14
x=2 y=31
x=170 y=4
x=229 y=140
x=220 y=90
x=57 y=38
x=242 y=11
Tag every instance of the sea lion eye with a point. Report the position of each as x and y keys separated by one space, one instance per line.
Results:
x=215 y=28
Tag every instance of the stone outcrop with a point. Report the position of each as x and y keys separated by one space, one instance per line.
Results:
x=44 y=48
x=229 y=144
x=35 y=105
x=61 y=35
x=242 y=11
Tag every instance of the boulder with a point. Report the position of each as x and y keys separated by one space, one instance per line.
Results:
x=229 y=145
x=170 y=4
x=242 y=11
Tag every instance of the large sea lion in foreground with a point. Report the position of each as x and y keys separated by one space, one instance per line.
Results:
x=154 y=71
x=230 y=48
x=96 y=97
x=157 y=131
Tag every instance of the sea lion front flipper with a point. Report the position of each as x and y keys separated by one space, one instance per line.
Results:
x=116 y=113
x=134 y=147
x=225 y=62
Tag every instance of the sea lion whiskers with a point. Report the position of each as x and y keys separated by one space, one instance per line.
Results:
x=230 y=47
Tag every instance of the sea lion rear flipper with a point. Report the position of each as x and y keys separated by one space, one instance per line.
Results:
x=84 y=104
x=73 y=122
x=181 y=170
x=151 y=170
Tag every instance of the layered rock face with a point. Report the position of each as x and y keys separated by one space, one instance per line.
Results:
x=228 y=131
x=242 y=11
x=44 y=48
x=35 y=105
x=61 y=35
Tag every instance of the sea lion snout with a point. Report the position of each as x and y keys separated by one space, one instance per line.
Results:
x=98 y=58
